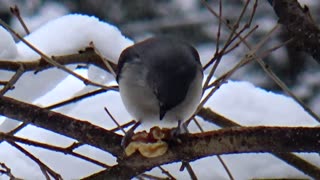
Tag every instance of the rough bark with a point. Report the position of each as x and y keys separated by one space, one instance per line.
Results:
x=299 y=25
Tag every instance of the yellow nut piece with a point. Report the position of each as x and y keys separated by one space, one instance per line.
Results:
x=151 y=150
x=132 y=148
x=148 y=150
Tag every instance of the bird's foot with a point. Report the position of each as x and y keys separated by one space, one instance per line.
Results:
x=176 y=132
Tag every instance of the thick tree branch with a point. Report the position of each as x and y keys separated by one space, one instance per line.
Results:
x=224 y=141
x=300 y=26
x=208 y=115
x=82 y=131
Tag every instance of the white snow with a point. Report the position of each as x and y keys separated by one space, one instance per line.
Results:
x=71 y=33
x=239 y=101
x=252 y=106
x=8 y=48
x=65 y=35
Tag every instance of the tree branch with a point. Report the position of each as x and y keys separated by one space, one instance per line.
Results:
x=299 y=25
x=82 y=131
x=224 y=141
x=290 y=158
x=195 y=146
x=88 y=56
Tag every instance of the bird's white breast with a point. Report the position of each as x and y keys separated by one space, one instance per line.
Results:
x=136 y=95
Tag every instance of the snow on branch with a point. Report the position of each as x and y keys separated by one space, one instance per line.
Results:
x=87 y=56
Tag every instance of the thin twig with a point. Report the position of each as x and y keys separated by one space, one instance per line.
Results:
x=233 y=28
x=186 y=164
x=218 y=156
x=132 y=122
x=13 y=80
x=35 y=159
x=104 y=60
x=269 y=72
x=232 y=36
x=149 y=177
x=285 y=88
x=114 y=120
x=255 y=5
x=219 y=28
x=81 y=97
x=225 y=167
x=250 y=56
x=240 y=41
x=67 y=150
x=164 y=171
x=7 y=171
x=16 y=12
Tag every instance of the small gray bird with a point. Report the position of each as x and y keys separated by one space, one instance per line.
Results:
x=160 y=79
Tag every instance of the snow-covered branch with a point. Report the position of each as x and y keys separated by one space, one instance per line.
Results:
x=88 y=56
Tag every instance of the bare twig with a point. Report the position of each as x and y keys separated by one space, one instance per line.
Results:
x=104 y=60
x=255 y=5
x=186 y=165
x=287 y=156
x=232 y=36
x=306 y=24
x=240 y=41
x=67 y=150
x=16 y=12
x=7 y=171
x=219 y=29
x=114 y=120
x=149 y=177
x=12 y=81
x=81 y=97
x=225 y=167
x=130 y=123
x=45 y=169
x=247 y=58
x=218 y=156
x=164 y=171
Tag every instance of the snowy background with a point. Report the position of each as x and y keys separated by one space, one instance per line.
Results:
x=249 y=98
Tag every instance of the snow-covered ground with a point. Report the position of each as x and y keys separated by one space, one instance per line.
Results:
x=240 y=101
